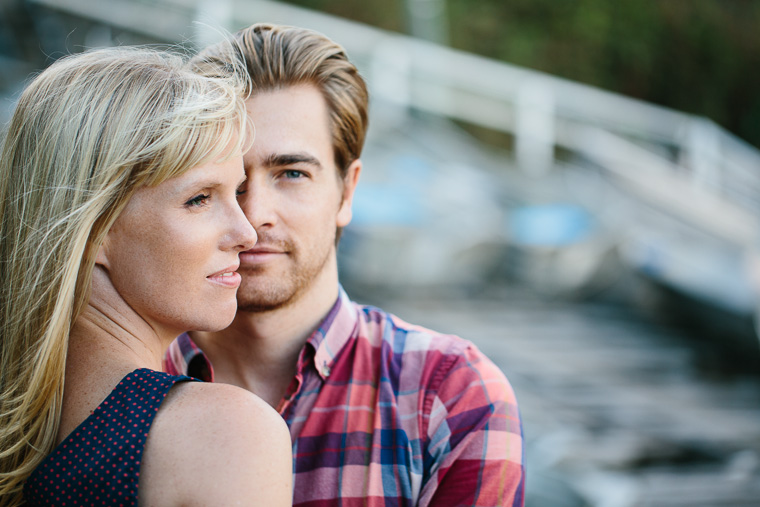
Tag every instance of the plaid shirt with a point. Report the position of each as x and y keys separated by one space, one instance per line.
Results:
x=384 y=413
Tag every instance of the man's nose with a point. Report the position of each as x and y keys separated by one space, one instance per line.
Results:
x=259 y=205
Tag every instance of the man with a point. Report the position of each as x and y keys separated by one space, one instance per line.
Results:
x=381 y=412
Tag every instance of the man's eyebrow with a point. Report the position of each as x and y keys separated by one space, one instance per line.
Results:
x=286 y=159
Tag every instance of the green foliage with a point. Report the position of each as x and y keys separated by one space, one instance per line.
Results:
x=386 y=14
x=698 y=56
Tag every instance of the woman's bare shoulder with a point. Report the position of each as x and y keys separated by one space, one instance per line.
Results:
x=216 y=444
x=218 y=404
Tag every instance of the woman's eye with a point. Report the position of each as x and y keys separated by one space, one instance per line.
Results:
x=198 y=200
x=241 y=190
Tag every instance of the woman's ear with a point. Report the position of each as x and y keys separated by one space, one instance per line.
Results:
x=101 y=257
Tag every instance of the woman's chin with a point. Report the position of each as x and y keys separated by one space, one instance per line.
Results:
x=220 y=319
x=209 y=318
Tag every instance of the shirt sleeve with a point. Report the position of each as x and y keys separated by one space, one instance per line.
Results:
x=474 y=452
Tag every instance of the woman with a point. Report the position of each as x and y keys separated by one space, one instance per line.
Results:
x=120 y=229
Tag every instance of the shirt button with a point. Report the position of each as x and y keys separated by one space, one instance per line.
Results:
x=325 y=369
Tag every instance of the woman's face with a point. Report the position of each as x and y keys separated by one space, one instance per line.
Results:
x=172 y=254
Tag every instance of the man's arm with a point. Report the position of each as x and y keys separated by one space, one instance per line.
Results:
x=474 y=452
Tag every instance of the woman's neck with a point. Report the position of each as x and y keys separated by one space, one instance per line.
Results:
x=107 y=341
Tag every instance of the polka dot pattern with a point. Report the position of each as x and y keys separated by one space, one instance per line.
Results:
x=99 y=462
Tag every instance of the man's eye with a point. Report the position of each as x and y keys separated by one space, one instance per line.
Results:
x=293 y=174
x=198 y=200
x=241 y=190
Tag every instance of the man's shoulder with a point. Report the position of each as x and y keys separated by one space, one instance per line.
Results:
x=424 y=348
x=378 y=325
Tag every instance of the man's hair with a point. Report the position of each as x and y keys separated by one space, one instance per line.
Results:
x=278 y=56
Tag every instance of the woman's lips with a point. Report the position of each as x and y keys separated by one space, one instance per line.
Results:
x=228 y=277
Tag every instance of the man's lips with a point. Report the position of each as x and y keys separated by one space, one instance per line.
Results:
x=263 y=250
x=260 y=254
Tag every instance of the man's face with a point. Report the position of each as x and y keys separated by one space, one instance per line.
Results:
x=294 y=198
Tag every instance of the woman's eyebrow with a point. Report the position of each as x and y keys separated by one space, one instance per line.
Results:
x=204 y=183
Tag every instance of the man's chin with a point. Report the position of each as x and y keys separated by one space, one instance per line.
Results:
x=258 y=301
x=270 y=290
x=259 y=307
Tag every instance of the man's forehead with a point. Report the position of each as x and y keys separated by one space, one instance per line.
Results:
x=291 y=126
x=299 y=95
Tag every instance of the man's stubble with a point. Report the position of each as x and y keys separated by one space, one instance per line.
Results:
x=266 y=288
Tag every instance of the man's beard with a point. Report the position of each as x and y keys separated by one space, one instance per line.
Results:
x=264 y=289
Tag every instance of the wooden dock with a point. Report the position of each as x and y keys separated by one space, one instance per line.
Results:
x=617 y=410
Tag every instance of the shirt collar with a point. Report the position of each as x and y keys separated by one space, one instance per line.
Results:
x=333 y=333
x=185 y=357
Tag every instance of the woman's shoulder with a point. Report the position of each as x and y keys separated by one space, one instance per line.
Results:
x=209 y=413
x=219 y=404
x=216 y=442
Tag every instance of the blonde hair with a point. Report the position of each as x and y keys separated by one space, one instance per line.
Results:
x=87 y=132
x=277 y=56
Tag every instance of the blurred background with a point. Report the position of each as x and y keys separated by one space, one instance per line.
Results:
x=574 y=186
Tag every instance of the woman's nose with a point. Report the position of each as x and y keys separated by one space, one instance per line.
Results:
x=243 y=234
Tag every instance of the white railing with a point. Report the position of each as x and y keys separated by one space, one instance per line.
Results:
x=684 y=163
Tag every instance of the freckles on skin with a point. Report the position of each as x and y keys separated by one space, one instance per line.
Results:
x=161 y=251
x=158 y=247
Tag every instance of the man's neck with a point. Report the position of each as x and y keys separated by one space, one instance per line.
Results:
x=259 y=350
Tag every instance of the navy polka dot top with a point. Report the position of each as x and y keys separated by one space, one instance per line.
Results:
x=99 y=462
